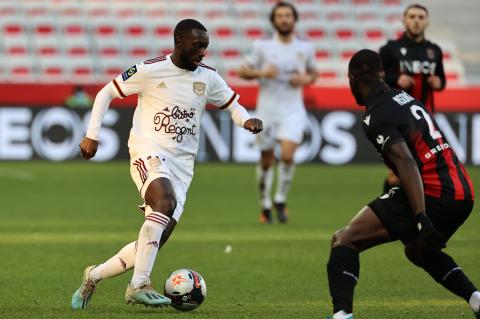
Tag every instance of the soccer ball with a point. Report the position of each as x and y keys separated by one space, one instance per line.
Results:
x=186 y=288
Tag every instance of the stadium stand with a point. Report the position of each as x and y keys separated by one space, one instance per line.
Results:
x=91 y=40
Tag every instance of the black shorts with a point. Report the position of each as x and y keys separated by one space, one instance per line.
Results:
x=395 y=213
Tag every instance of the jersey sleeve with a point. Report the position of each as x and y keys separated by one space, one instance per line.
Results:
x=254 y=58
x=383 y=136
x=310 y=62
x=220 y=94
x=130 y=82
x=439 y=71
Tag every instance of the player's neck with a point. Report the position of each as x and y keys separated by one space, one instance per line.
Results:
x=415 y=38
x=176 y=61
x=285 y=38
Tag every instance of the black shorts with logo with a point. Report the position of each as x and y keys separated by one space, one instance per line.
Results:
x=393 y=210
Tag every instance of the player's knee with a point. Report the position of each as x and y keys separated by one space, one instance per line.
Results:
x=165 y=205
x=339 y=238
x=414 y=253
x=287 y=159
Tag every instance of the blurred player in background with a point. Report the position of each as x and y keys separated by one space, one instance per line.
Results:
x=283 y=65
x=435 y=199
x=413 y=64
x=172 y=93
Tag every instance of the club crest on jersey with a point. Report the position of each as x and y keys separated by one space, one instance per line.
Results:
x=199 y=88
x=403 y=51
x=127 y=74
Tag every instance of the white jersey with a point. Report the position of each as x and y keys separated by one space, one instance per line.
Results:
x=171 y=102
x=277 y=98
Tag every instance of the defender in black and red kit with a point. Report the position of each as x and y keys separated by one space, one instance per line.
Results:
x=414 y=65
x=435 y=197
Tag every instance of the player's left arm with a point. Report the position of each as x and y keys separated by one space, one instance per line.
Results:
x=311 y=73
x=224 y=98
x=438 y=80
x=407 y=170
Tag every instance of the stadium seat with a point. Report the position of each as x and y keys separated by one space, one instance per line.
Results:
x=76 y=47
x=254 y=29
x=44 y=27
x=105 y=28
x=134 y=29
x=109 y=48
x=68 y=9
x=343 y=30
x=161 y=46
x=52 y=70
x=338 y=12
x=344 y=50
x=33 y=8
x=81 y=70
x=324 y=50
x=249 y=10
x=16 y=46
x=9 y=9
x=368 y=12
x=137 y=49
x=73 y=27
x=313 y=30
x=162 y=29
x=110 y=69
x=222 y=28
x=20 y=69
x=373 y=31
x=46 y=47
x=14 y=27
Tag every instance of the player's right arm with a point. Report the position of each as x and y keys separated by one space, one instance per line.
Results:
x=128 y=83
x=407 y=170
x=254 y=66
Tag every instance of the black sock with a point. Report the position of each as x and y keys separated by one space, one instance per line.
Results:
x=446 y=272
x=343 y=271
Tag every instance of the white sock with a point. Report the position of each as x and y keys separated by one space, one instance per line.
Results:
x=341 y=315
x=265 y=181
x=147 y=248
x=118 y=264
x=285 y=174
x=475 y=301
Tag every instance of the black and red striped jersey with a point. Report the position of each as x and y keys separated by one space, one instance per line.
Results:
x=394 y=116
x=417 y=59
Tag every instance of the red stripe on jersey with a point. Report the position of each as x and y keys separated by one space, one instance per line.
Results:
x=118 y=88
x=206 y=66
x=431 y=180
x=155 y=60
x=429 y=102
x=417 y=88
x=143 y=164
x=452 y=172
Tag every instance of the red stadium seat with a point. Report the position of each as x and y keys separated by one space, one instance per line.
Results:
x=16 y=46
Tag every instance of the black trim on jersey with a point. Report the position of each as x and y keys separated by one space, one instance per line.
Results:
x=229 y=102
x=118 y=88
x=466 y=188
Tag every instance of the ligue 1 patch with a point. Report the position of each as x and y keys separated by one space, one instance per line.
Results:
x=300 y=56
x=127 y=74
x=199 y=88
x=430 y=54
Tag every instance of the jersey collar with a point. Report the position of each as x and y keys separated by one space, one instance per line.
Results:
x=374 y=93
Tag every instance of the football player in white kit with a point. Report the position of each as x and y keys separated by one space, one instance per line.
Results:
x=172 y=93
x=283 y=65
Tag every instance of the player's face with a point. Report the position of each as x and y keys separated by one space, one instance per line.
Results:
x=284 y=20
x=415 y=21
x=193 y=47
x=355 y=89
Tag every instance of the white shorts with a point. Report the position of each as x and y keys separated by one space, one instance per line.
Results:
x=145 y=169
x=290 y=128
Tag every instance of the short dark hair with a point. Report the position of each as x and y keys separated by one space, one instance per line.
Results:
x=186 y=26
x=366 y=64
x=283 y=4
x=416 y=6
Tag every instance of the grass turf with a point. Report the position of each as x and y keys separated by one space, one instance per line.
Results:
x=57 y=218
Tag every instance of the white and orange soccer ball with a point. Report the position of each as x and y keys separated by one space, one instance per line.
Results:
x=186 y=288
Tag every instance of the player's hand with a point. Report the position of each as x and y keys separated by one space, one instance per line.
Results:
x=405 y=81
x=253 y=125
x=300 y=79
x=269 y=72
x=428 y=233
x=434 y=82
x=88 y=148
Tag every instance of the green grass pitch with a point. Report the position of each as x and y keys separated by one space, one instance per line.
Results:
x=57 y=218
